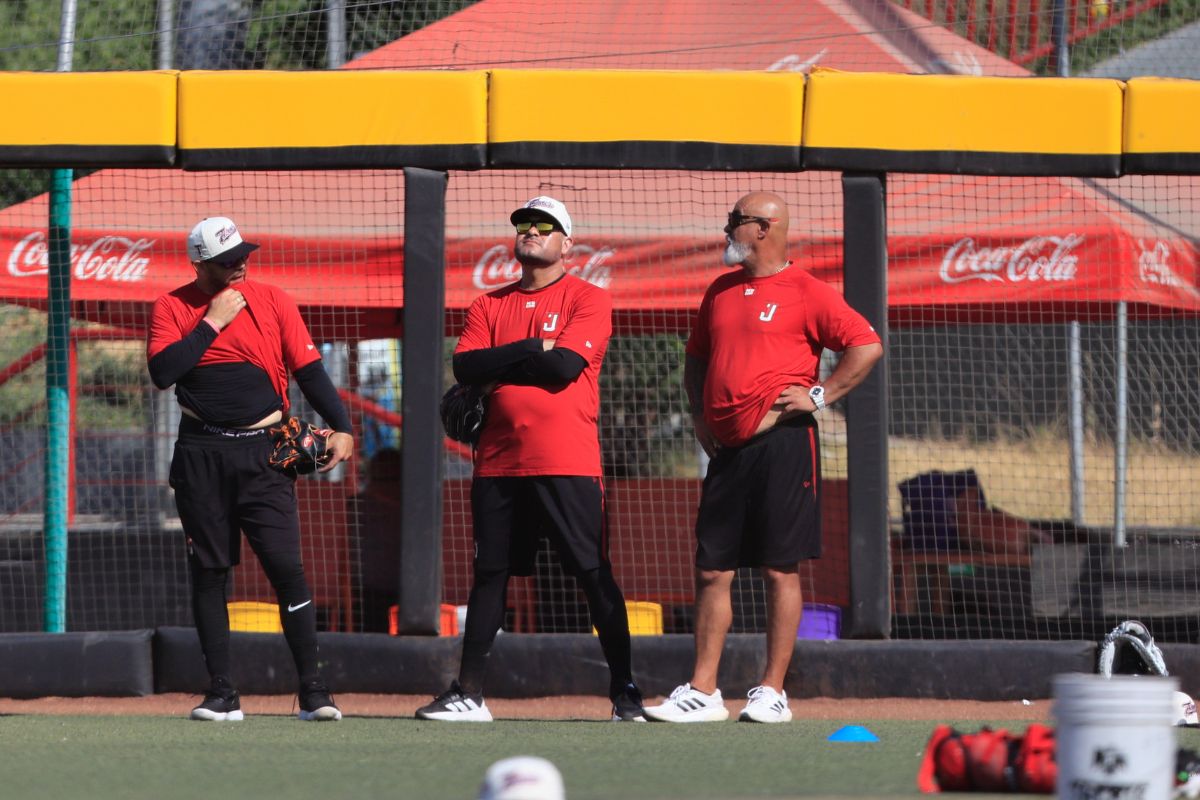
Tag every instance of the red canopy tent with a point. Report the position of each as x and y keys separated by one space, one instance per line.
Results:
x=335 y=238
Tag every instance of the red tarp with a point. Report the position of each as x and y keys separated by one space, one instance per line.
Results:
x=334 y=239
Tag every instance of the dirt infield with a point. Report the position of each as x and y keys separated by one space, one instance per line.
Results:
x=566 y=707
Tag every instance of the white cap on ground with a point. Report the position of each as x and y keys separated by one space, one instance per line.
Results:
x=522 y=778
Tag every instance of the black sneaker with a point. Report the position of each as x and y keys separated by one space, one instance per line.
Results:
x=627 y=705
x=316 y=704
x=455 y=705
x=221 y=703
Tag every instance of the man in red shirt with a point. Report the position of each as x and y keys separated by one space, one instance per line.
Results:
x=537 y=344
x=751 y=374
x=228 y=345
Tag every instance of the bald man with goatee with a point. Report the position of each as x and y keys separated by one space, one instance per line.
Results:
x=752 y=374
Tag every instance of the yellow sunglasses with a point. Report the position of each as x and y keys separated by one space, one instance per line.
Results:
x=544 y=228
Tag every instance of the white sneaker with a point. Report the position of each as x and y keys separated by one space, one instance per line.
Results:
x=766 y=705
x=455 y=705
x=690 y=705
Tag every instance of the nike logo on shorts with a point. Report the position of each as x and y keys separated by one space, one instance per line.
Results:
x=292 y=608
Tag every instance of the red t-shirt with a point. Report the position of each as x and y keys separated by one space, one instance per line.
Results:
x=761 y=335
x=269 y=333
x=536 y=430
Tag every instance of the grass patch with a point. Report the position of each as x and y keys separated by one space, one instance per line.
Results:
x=156 y=757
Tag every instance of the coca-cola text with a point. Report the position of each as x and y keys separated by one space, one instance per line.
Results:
x=497 y=267
x=1040 y=258
x=108 y=258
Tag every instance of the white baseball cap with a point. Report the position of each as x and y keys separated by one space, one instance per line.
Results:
x=1184 y=709
x=217 y=239
x=522 y=778
x=546 y=206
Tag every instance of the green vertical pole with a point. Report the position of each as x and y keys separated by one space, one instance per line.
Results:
x=58 y=362
x=58 y=409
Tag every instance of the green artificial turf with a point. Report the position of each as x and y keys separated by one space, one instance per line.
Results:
x=279 y=757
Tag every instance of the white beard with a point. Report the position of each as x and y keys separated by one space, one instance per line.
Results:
x=735 y=253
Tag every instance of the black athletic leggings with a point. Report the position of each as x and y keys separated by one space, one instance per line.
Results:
x=485 y=615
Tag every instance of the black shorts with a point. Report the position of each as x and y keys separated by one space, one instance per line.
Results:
x=511 y=516
x=760 y=506
x=223 y=487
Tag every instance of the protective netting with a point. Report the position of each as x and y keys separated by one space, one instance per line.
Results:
x=1010 y=300
x=1006 y=450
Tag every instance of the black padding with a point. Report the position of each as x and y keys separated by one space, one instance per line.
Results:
x=537 y=665
x=419 y=592
x=1160 y=164
x=645 y=155
x=350 y=662
x=76 y=664
x=76 y=156
x=1103 y=165
x=945 y=670
x=431 y=156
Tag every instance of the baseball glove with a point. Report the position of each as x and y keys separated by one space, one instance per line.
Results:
x=463 y=410
x=299 y=448
x=1130 y=650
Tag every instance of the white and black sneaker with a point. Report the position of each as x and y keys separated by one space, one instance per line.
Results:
x=316 y=703
x=221 y=703
x=690 y=705
x=628 y=705
x=766 y=705
x=455 y=705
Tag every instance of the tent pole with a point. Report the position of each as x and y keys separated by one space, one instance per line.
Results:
x=1121 y=446
x=1075 y=423
x=57 y=490
x=166 y=34
x=335 y=39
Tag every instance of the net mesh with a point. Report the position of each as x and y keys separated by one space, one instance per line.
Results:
x=1006 y=324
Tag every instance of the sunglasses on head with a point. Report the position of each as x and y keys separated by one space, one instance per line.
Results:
x=543 y=228
x=737 y=219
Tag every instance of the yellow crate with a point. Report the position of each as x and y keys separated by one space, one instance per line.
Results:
x=254 y=617
x=645 y=618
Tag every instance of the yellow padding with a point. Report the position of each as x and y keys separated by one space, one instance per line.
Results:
x=1162 y=116
x=254 y=617
x=88 y=108
x=645 y=618
x=957 y=113
x=261 y=109
x=755 y=108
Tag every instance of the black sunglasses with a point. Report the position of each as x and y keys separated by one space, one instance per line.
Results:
x=736 y=220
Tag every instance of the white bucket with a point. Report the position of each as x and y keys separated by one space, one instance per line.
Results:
x=1115 y=737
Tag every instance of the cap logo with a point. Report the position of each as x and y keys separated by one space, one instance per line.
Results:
x=537 y=202
x=512 y=779
x=224 y=234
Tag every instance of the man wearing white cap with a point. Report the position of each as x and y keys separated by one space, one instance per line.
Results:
x=536 y=345
x=229 y=345
x=522 y=778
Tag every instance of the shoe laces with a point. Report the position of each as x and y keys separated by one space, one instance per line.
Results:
x=681 y=691
x=455 y=692
x=317 y=688
x=762 y=694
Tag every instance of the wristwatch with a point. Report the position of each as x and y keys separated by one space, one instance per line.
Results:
x=817 y=395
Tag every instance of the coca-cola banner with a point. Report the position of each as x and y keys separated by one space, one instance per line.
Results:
x=1078 y=266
